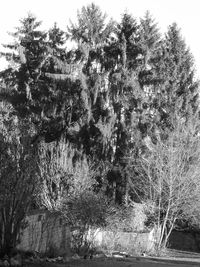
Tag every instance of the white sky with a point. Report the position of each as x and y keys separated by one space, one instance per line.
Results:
x=186 y=13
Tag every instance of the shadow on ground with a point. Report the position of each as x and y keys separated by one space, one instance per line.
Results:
x=112 y=262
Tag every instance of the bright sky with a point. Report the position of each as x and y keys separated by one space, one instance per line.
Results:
x=185 y=12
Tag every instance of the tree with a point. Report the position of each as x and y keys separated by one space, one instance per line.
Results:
x=56 y=38
x=18 y=184
x=149 y=44
x=18 y=175
x=170 y=177
x=65 y=173
x=27 y=55
x=128 y=39
x=38 y=83
x=68 y=182
x=177 y=91
x=92 y=35
x=128 y=99
x=91 y=28
x=149 y=39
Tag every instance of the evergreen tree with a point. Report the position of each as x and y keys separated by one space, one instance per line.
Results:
x=125 y=100
x=149 y=43
x=56 y=37
x=177 y=95
x=149 y=38
x=39 y=87
x=26 y=57
x=91 y=28
x=128 y=37
x=92 y=35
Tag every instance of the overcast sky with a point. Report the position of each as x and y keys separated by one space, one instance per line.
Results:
x=185 y=12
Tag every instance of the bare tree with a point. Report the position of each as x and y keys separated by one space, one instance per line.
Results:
x=18 y=183
x=65 y=172
x=170 y=178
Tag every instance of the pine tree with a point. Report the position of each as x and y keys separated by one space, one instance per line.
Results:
x=91 y=28
x=56 y=37
x=177 y=94
x=125 y=101
x=128 y=36
x=92 y=35
x=149 y=38
x=39 y=87
x=26 y=56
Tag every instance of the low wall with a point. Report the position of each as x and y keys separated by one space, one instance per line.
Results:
x=45 y=231
x=132 y=243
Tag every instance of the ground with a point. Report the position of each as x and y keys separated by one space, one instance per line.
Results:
x=132 y=262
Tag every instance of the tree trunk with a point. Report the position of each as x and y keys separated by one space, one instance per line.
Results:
x=114 y=191
x=126 y=193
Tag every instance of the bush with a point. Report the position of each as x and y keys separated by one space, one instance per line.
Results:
x=126 y=219
x=83 y=212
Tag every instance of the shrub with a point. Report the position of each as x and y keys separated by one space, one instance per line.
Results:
x=126 y=219
x=82 y=212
